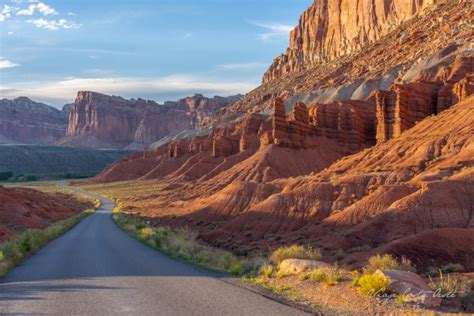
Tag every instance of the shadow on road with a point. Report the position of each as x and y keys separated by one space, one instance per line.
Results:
x=32 y=292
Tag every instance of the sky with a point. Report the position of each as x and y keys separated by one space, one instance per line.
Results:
x=153 y=49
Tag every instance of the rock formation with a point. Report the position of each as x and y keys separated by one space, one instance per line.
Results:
x=432 y=38
x=23 y=121
x=333 y=28
x=101 y=121
x=407 y=104
x=350 y=123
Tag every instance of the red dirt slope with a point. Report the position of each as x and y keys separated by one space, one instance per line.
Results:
x=22 y=208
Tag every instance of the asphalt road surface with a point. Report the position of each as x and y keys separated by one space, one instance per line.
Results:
x=96 y=269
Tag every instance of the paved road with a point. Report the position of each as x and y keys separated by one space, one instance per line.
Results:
x=96 y=269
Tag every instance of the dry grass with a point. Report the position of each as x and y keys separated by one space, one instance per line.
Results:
x=180 y=243
x=387 y=262
x=295 y=252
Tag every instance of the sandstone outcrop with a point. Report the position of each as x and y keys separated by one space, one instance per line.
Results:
x=333 y=28
x=350 y=123
x=434 y=37
x=407 y=104
x=23 y=121
x=98 y=120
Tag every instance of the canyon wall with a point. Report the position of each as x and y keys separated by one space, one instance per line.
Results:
x=333 y=28
x=101 y=121
x=23 y=121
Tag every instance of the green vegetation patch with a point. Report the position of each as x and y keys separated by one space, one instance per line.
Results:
x=182 y=243
x=295 y=252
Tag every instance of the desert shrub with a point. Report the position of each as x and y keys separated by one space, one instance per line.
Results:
x=453 y=267
x=373 y=284
x=444 y=284
x=355 y=278
x=295 y=252
x=327 y=276
x=387 y=262
x=267 y=270
x=339 y=255
x=146 y=233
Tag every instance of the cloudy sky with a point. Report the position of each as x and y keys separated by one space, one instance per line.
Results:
x=155 y=49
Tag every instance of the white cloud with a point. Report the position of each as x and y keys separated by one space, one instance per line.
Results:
x=42 y=8
x=65 y=90
x=4 y=63
x=6 y=13
x=45 y=9
x=71 y=14
x=242 y=66
x=29 y=11
x=10 y=33
x=274 y=30
x=54 y=25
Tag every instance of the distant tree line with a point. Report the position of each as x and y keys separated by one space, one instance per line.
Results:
x=9 y=176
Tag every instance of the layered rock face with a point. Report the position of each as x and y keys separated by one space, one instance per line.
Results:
x=432 y=37
x=350 y=123
x=333 y=28
x=405 y=105
x=102 y=121
x=23 y=121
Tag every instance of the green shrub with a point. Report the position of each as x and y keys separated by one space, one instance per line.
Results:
x=295 y=252
x=373 y=284
x=5 y=175
x=453 y=267
x=146 y=233
x=387 y=262
x=25 y=245
x=327 y=276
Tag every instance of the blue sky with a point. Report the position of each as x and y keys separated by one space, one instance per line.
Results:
x=154 y=49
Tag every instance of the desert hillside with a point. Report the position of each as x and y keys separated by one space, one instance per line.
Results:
x=349 y=148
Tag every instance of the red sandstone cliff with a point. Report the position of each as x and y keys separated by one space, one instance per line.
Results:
x=101 y=121
x=333 y=28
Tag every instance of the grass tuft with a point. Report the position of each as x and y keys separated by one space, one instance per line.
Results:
x=444 y=285
x=295 y=252
x=387 y=262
